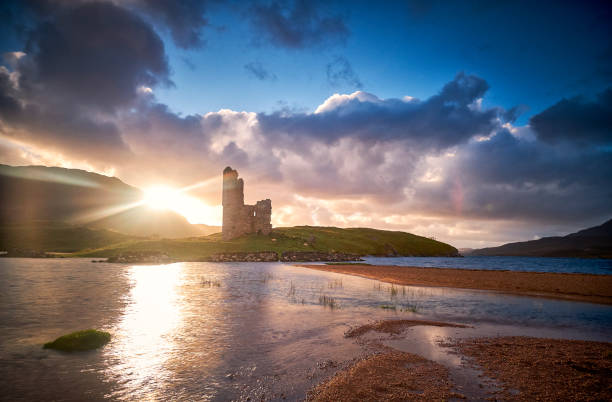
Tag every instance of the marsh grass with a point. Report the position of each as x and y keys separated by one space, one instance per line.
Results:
x=291 y=292
x=209 y=283
x=409 y=308
x=328 y=301
x=266 y=277
x=79 y=341
x=335 y=284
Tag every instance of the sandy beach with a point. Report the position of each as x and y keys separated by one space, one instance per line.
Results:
x=578 y=287
x=506 y=368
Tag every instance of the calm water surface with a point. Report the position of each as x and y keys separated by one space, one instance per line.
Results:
x=532 y=264
x=213 y=331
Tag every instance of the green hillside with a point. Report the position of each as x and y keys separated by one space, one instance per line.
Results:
x=360 y=241
x=56 y=237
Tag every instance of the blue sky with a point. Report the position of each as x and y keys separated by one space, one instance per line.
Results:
x=530 y=54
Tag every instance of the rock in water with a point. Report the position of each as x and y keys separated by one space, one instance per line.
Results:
x=79 y=341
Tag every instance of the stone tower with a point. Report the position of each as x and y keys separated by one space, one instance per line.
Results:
x=240 y=219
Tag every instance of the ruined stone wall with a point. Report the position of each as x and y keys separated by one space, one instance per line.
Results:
x=238 y=218
x=262 y=215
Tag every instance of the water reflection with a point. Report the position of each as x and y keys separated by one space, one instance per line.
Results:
x=211 y=331
x=145 y=336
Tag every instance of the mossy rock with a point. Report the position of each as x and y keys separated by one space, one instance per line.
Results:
x=79 y=341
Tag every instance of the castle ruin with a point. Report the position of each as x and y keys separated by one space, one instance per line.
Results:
x=239 y=219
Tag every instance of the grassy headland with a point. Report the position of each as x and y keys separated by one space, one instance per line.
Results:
x=360 y=241
x=84 y=242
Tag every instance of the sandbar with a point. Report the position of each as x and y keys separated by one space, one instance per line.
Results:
x=577 y=287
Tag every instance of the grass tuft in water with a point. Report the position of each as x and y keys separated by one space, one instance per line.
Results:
x=291 y=292
x=79 y=341
x=210 y=283
x=411 y=308
x=328 y=301
x=335 y=284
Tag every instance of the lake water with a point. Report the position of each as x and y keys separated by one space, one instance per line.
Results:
x=533 y=264
x=228 y=331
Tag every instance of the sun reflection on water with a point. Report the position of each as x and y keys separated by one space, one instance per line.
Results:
x=144 y=338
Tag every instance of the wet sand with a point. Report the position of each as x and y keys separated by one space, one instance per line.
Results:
x=531 y=369
x=501 y=368
x=394 y=327
x=578 y=287
x=391 y=376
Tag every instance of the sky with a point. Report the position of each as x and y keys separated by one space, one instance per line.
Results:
x=474 y=122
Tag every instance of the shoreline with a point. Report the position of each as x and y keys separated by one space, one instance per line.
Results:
x=591 y=288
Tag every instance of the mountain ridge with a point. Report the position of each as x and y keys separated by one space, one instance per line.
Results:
x=593 y=242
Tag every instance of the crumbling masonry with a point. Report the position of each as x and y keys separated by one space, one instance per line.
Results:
x=239 y=219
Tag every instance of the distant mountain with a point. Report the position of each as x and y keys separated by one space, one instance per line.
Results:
x=30 y=194
x=465 y=251
x=591 y=242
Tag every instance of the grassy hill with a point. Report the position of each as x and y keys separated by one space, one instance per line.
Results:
x=87 y=242
x=362 y=241
x=57 y=237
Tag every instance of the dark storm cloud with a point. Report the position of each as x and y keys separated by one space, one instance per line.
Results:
x=507 y=177
x=444 y=120
x=258 y=71
x=577 y=120
x=298 y=24
x=185 y=19
x=56 y=127
x=9 y=105
x=341 y=73
x=95 y=54
x=83 y=63
x=534 y=163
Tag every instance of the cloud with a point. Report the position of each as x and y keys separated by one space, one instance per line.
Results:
x=506 y=177
x=83 y=64
x=258 y=71
x=443 y=120
x=94 y=54
x=340 y=73
x=185 y=19
x=298 y=24
x=577 y=120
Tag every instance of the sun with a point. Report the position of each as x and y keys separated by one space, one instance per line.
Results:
x=161 y=198
x=193 y=209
